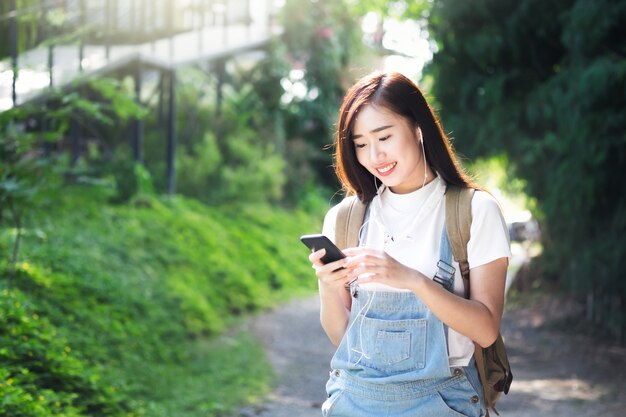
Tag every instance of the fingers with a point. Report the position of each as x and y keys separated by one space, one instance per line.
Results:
x=368 y=269
x=316 y=257
x=366 y=264
x=359 y=250
x=332 y=274
x=316 y=260
x=365 y=257
x=371 y=265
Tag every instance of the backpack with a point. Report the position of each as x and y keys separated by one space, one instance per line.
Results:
x=492 y=362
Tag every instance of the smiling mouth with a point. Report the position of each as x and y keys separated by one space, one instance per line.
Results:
x=386 y=169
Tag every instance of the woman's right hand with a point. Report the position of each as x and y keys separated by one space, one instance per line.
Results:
x=335 y=300
x=332 y=276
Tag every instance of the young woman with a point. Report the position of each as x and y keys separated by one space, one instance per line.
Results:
x=405 y=343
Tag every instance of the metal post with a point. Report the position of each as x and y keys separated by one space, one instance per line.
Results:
x=153 y=26
x=171 y=9
x=13 y=40
x=248 y=20
x=81 y=46
x=171 y=30
x=220 y=70
x=171 y=135
x=131 y=20
x=116 y=15
x=142 y=19
x=49 y=34
x=51 y=64
x=161 y=94
x=138 y=123
x=107 y=30
x=225 y=23
x=201 y=29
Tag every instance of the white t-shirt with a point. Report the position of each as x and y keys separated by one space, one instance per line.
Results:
x=408 y=227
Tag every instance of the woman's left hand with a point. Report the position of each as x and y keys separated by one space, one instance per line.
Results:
x=372 y=265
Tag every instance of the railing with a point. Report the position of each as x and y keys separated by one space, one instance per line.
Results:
x=91 y=34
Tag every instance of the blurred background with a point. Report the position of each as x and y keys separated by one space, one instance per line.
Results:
x=160 y=158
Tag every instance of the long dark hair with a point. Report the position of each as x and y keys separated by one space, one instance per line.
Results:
x=398 y=94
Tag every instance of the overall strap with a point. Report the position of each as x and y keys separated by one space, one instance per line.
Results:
x=445 y=271
x=349 y=222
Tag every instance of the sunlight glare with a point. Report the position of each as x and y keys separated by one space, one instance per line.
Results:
x=560 y=389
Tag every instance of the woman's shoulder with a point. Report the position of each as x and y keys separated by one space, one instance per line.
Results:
x=484 y=198
x=331 y=214
x=330 y=219
x=489 y=236
x=486 y=208
x=330 y=222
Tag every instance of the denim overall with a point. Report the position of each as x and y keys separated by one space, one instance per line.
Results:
x=393 y=359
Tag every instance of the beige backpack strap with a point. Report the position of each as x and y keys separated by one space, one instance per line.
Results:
x=458 y=223
x=349 y=222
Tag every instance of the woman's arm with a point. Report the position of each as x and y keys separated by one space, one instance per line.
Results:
x=477 y=318
x=335 y=300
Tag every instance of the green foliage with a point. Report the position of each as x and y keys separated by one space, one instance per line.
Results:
x=40 y=375
x=196 y=166
x=27 y=26
x=131 y=179
x=231 y=151
x=40 y=24
x=21 y=175
x=496 y=176
x=113 y=98
x=402 y=9
x=117 y=310
x=321 y=37
x=239 y=161
x=544 y=83
x=267 y=140
x=24 y=172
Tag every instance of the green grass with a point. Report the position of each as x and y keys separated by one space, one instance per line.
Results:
x=122 y=310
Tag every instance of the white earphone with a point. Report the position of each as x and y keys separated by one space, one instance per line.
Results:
x=424 y=154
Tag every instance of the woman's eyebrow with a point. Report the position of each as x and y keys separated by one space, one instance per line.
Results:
x=378 y=129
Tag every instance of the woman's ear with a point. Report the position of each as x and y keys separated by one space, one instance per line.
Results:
x=418 y=134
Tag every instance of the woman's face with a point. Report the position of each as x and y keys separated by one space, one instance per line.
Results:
x=388 y=147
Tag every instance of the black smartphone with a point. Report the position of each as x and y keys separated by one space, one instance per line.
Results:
x=317 y=242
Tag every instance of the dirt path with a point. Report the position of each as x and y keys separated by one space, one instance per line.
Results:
x=556 y=373
x=300 y=353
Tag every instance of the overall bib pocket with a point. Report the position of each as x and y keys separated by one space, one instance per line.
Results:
x=392 y=346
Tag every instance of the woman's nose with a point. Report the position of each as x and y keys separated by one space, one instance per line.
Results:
x=376 y=153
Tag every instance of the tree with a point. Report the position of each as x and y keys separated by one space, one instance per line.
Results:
x=321 y=38
x=544 y=83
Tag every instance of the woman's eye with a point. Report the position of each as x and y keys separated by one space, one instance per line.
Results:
x=359 y=145
x=384 y=138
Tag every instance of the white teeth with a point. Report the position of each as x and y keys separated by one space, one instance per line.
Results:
x=386 y=168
